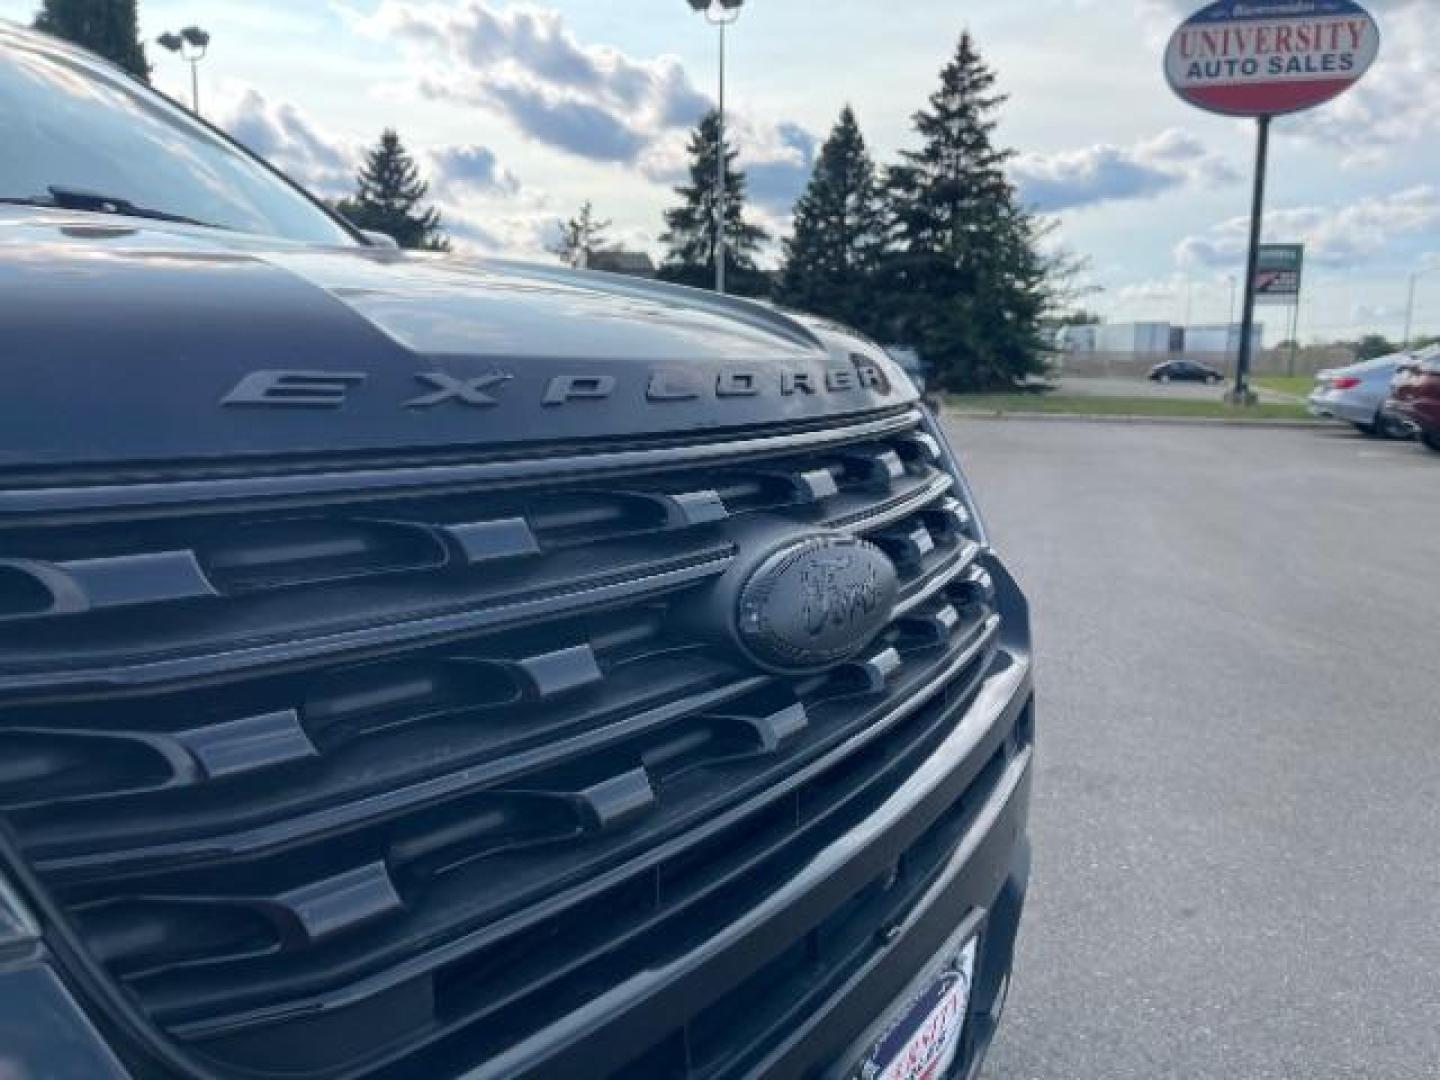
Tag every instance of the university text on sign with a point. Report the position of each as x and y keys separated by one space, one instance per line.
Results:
x=1252 y=58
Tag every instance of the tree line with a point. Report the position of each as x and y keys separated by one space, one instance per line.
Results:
x=934 y=251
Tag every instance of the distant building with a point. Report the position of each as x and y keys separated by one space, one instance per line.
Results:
x=1137 y=337
x=619 y=261
x=1153 y=338
x=1224 y=338
x=1076 y=339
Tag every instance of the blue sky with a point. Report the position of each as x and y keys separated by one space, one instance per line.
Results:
x=520 y=111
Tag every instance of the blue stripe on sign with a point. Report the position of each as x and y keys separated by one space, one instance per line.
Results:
x=1226 y=11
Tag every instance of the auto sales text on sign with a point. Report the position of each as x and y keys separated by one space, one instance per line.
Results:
x=1248 y=58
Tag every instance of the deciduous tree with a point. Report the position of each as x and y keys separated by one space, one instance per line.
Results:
x=581 y=236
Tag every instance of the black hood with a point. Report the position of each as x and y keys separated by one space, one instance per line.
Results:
x=131 y=343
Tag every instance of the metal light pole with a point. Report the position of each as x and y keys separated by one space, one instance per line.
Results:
x=191 y=45
x=1410 y=304
x=720 y=13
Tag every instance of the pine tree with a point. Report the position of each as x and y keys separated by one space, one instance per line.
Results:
x=966 y=282
x=581 y=237
x=690 y=228
x=388 y=195
x=110 y=28
x=839 y=232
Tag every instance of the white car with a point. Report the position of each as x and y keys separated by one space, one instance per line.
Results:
x=1357 y=394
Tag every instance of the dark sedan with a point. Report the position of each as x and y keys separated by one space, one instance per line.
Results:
x=1185 y=371
x=1415 y=396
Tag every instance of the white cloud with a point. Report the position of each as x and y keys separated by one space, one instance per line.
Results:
x=1107 y=173
x=483 y=204
x=1376 y=314
x=594 y=102
x=289 y=139
x=1152 y=291
x=460 y=170
x=1397 y=103
x=524 y=63
x=1336 y=236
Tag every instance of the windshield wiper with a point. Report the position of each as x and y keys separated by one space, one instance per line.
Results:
x=68 y=198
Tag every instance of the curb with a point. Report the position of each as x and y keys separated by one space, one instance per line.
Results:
x=1162 y=421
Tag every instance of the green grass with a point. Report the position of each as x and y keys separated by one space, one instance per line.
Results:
x=1121 y=406
x=1295 y=385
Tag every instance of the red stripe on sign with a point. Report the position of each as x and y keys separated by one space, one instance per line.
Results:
x=1253 y=99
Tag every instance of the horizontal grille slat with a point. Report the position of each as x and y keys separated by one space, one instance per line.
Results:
x=317 y=807
x=694 y=882
x=421 y=717
x=522 y=873
x=127 y=674
x=248 y=494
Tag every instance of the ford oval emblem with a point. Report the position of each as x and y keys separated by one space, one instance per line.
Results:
x=816 y=602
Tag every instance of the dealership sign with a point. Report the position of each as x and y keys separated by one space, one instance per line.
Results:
x=1269 y=57
x=1279 y=270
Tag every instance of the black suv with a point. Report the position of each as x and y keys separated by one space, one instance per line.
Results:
x=417 y=667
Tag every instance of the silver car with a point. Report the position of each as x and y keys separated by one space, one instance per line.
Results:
x=1356 y=395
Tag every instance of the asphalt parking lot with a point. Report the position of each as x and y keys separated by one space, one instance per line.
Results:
x=1237 y=812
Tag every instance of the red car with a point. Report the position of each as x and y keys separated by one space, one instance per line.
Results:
x=1415 y=395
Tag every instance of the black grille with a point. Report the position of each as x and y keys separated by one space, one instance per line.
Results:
x=380 y=772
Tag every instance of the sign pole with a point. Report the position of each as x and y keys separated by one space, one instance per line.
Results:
x=1241 y=393
x=1294 y=335
x=1262 y=60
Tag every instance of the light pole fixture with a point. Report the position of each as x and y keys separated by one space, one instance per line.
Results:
x=719 y=13
x=190 y=44
x=1410 y=304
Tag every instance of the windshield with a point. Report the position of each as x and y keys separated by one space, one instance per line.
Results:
x=71 y=124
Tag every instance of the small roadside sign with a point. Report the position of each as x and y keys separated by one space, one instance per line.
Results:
x=1279 y=273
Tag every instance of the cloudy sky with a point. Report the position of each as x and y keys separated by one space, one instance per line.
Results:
x=520 y=111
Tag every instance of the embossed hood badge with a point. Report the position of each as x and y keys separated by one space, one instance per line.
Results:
x=816 y=602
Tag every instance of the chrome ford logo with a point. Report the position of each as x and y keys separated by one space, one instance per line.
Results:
x=817 y=602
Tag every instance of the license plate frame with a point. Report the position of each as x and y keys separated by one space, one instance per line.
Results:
x=923 y=1036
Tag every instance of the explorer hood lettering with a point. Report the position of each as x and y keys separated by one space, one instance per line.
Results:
x=139 y=332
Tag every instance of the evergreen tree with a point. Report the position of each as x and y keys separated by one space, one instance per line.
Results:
x=110 y=28
x=690 y=227
x=388 y=195
x=580 y=237
x=839 y=232
x=966 y=281
x=1373 y=346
